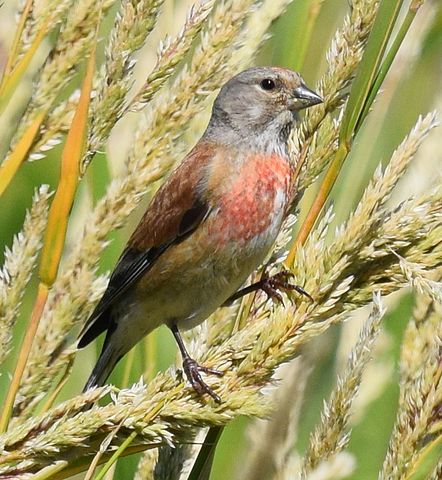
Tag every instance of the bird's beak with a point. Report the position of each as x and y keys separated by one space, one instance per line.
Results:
x=304 y=97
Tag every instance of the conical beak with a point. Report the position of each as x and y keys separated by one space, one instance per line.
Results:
x=304 y=97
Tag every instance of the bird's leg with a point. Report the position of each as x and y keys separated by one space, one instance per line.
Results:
x=270 y=285
x=192 y=369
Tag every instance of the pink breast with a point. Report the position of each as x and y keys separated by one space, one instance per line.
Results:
x=249 y=206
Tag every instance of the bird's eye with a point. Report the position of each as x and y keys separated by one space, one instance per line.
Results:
x=267 y=84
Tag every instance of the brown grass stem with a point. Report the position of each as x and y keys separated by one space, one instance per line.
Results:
x=12 y=163
x=42 y=296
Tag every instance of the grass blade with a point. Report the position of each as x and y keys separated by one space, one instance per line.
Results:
x=12 y=163
x=10 y=82
x=389 y=57
x=368 y=69
x=203 y=463
x=70 y=172
x=18 y=33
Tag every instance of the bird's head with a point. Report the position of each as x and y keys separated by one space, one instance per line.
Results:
x=262 y=99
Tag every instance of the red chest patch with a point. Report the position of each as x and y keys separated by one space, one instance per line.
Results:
x=258 y=194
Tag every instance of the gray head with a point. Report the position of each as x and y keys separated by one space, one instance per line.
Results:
x=260 y=101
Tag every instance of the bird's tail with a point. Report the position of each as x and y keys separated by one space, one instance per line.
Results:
x=103 y=368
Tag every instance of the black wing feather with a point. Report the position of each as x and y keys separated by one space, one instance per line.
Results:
x=131 y=266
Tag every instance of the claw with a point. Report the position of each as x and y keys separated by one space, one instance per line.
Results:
x=210 y=371
x=192 y=371
x=269 y=287
x=279 y=281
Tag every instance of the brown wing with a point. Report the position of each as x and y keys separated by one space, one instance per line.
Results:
x=174 y=213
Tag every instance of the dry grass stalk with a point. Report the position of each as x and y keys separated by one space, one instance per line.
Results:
x=146 y=465
x=370 y=214
x=73 y=44
x=420 y=400
x=56 y=125
x=18 y=265
x=134 y=22
x=271 y=441
x=419 y=334
x=164 y=463
x=41 y=15
x=331 y=437
x=170 y=53
x=418 y=279
x=112 y=103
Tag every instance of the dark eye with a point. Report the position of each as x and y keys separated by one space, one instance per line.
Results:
x=267 y=84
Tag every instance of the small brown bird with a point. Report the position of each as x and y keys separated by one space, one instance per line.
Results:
x=209 y=226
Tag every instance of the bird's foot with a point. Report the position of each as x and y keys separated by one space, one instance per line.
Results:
x=280 y=281
x=192 y=370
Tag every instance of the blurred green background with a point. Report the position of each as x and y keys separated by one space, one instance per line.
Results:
x=412 y=88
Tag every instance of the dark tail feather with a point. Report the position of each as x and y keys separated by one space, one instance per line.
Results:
x=103 y=368
x=94 y=327
x=109 y=355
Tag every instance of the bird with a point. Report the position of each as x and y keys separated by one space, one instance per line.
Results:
x=209 y=226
